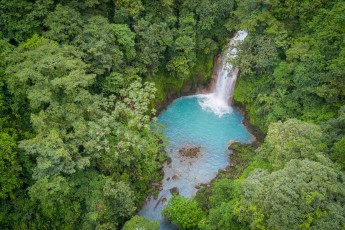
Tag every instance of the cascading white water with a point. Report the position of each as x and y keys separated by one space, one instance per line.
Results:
x=218 y=101
x=191 y=125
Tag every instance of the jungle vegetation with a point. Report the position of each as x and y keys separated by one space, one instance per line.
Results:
x=80 y=82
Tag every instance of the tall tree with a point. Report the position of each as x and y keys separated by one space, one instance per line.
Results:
x=183 y=58
x=292 y=139
x=108 y=47
x=53 y=80
x=304 y=194
x=64 y=24
x=21 y=19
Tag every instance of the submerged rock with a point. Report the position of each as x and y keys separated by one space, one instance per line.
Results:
x=174 y=191
x=189 y=152
x=233 y=143
x=160 y=200
x=164 y=200
x=168 y=160
x=157 y=186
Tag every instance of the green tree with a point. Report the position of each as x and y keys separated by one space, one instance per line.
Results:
x=9 y=166
x=139 y=222
x=153 y=40
x=108 y=47
x=292 y=139
x=133 y=8
x=64 y=24
x=225 y=194
x=303 y=78
x=333 y=86
x=53 y=80
x=304 y=194
x=211 y=20
x=119 y=201
x=5 y=50
x=333 y=136
x=184 y=55
x=338 y=154
x=20 y=19
x=184 y=212
x=53 y=196
x=125 y=139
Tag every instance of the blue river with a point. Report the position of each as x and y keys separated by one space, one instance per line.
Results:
x=190 y=125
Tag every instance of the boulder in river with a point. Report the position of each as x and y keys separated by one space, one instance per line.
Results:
x=174 y=191
x=233 y=143
x=189 y=152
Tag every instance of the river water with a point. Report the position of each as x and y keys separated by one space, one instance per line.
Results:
x=205 y=123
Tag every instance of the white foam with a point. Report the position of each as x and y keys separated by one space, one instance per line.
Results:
x=210 y=102
x=218 y=101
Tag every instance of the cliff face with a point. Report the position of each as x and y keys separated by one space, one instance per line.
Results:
x=201 y=80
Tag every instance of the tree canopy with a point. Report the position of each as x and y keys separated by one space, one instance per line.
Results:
x=80 y=83
x=292 y=139
x=304 y=194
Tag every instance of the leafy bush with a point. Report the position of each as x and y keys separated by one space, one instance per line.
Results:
x=184 y=212
x=141 y=223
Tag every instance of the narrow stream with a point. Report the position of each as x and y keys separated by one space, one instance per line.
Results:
x=199 y=129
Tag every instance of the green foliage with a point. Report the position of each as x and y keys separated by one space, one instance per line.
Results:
x=64 y=24
x=133 y=8
x=153 y=41
x=5 y=49
x=9 y=166
x=108 y=203
x=77 y=144
x=166 y=84
x=210 y=15
x=54 y=198
x=333 y=136
x=21 y=19
x=257 y=162
x=113 y=83
x=339 y=152
x=184 y=212
x=304 y=194
x=57 y=92
x=139 y=222
x=124 y=138
x=223 y=217
x=258 y=56
x=225 y=194
x=293 y=50
x=184 y=47
x=83 y=141
x=223 y=190
x=119 y=198
x=107 y=46
x=292 y=139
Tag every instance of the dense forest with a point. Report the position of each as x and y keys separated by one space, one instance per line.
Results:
x=80 y=82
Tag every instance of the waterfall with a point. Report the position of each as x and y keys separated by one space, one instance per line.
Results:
x=189 y=125
x=220 y=99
